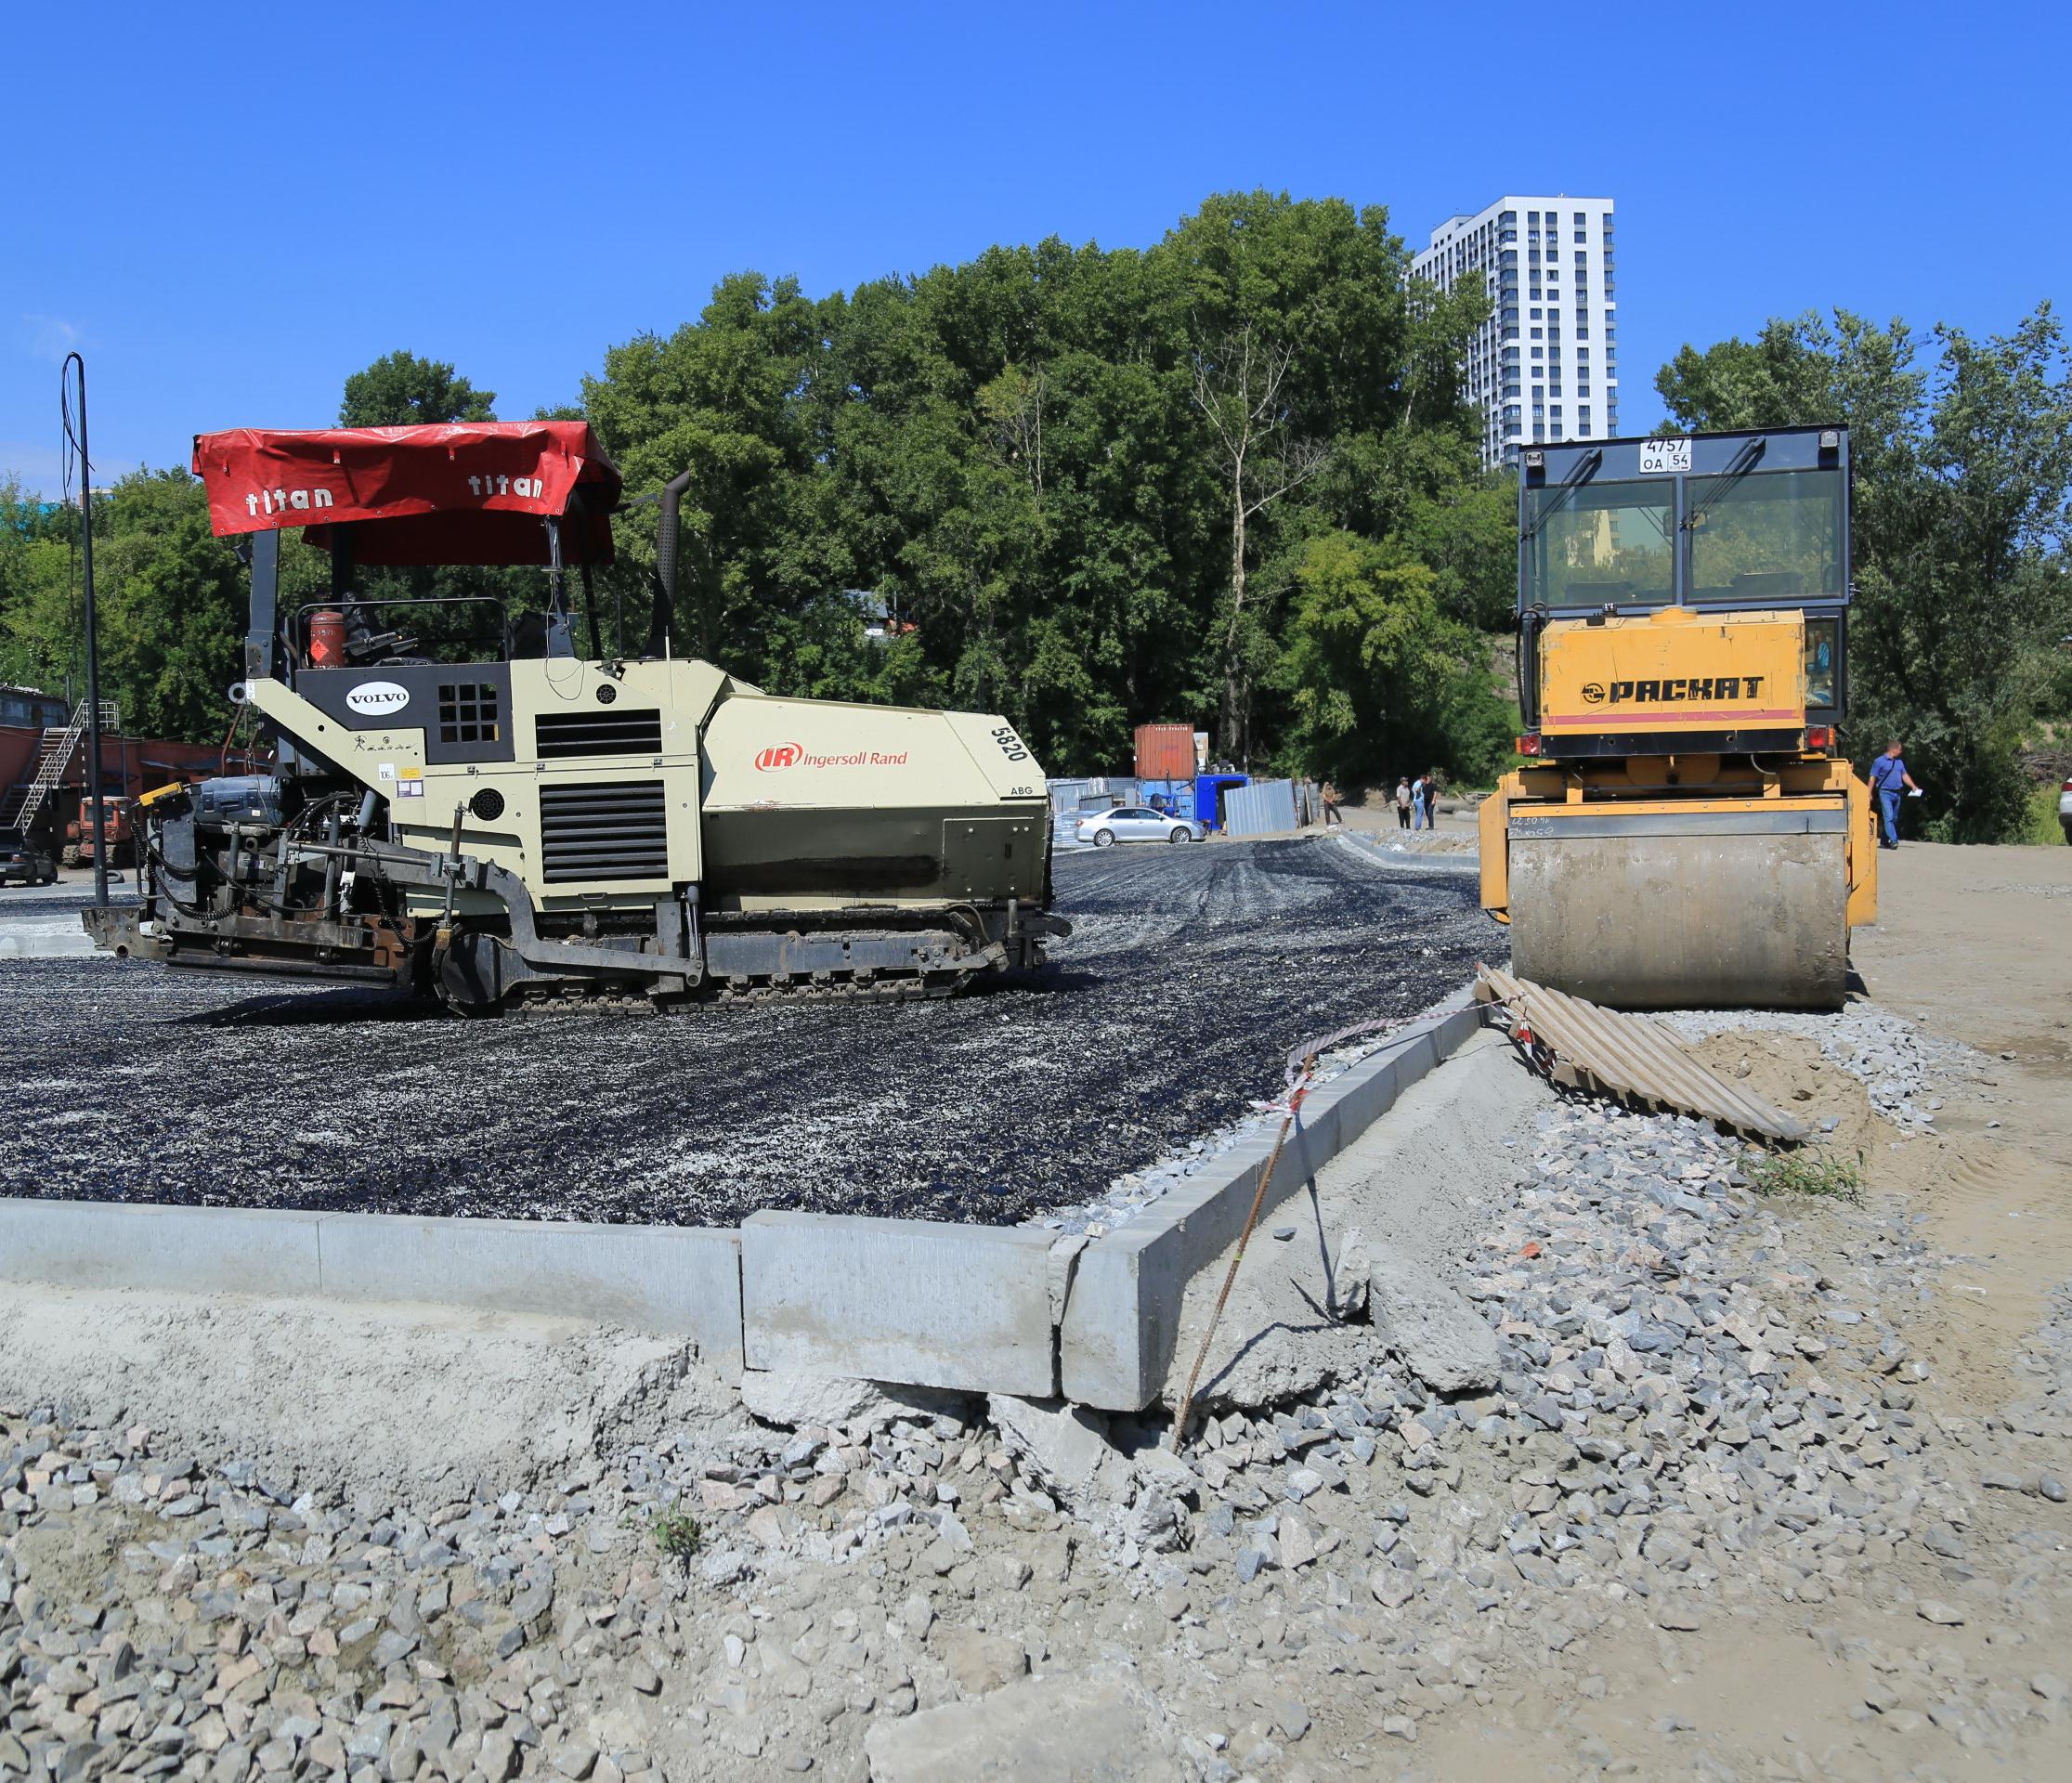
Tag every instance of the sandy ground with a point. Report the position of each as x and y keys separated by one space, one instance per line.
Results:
x=1974 y=943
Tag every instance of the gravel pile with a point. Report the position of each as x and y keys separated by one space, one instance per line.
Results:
x=1903 y=1067
x=1169 y=1011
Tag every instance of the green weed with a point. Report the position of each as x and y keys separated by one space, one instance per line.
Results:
x=677 y=1534
x=1811 y=1174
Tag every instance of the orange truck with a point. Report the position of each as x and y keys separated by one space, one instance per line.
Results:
x=116 y=828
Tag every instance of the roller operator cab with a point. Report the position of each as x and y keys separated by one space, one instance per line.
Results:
x=501 y=816
x=1686 y=833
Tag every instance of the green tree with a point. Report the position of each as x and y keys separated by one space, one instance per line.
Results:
x=1383 y=682
x=1298 y=330
x=1083 y=486
x=401 y=389
x=39 y=625
x=171 y=606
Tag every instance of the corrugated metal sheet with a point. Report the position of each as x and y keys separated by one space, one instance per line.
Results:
x=1626 y=1057
x=1261 y=809
x=1065 y=794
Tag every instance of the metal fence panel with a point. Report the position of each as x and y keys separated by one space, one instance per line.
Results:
x=1259 y=808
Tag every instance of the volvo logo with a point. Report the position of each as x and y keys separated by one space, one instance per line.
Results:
x=377 y=699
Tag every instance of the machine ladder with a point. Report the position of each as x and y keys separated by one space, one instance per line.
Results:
x=20 y=804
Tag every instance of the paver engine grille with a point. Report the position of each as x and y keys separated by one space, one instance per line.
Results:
x=616 y=831
x=609 y=731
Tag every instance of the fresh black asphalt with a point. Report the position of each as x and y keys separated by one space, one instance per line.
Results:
x=1192 y=972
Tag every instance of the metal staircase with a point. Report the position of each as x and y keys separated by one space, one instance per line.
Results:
x=20 y=804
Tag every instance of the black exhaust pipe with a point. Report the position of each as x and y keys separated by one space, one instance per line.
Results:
x=667 y=530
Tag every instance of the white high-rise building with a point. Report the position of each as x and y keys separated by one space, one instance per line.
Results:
x=1546 y=365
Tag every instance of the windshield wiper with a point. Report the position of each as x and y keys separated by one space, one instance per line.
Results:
x=1586 y=467
x=1744 y=463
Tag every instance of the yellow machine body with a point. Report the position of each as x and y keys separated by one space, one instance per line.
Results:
x=1667 y=879
x=1668 y=673
x=1685 y=832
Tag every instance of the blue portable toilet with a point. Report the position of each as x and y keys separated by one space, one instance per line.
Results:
x=1209 y=789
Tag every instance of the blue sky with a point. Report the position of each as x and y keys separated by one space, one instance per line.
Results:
x=252 y=202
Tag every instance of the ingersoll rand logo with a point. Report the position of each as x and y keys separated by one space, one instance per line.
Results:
x=796 y=755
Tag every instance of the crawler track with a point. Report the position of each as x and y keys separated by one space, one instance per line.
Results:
x=1190 y=973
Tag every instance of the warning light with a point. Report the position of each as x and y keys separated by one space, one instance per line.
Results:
x=1819 y=737
x=1529 y=745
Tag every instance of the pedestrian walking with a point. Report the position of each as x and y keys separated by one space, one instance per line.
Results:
x=1329 y=794
x=1402 y=802
x=1418 y=803
x=1891 y=782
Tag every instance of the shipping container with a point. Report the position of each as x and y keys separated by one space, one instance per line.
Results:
x=1165 y=751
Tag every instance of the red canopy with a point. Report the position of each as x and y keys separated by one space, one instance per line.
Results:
x=466 y=492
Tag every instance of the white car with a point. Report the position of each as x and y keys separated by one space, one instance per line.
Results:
x=1135 y=824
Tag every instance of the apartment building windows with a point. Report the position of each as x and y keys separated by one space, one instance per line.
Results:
x=1486 y=249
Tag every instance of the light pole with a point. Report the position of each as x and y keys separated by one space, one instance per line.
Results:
x=93 y=645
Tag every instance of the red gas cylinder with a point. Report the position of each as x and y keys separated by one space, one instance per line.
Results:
x=327 y=639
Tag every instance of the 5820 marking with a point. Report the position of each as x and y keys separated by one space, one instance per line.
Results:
x=1011 y=744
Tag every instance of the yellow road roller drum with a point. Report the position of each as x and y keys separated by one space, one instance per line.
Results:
x=1685 y=834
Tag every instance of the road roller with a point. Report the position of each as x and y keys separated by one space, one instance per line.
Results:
x=1685 y=832
x=477 y=799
